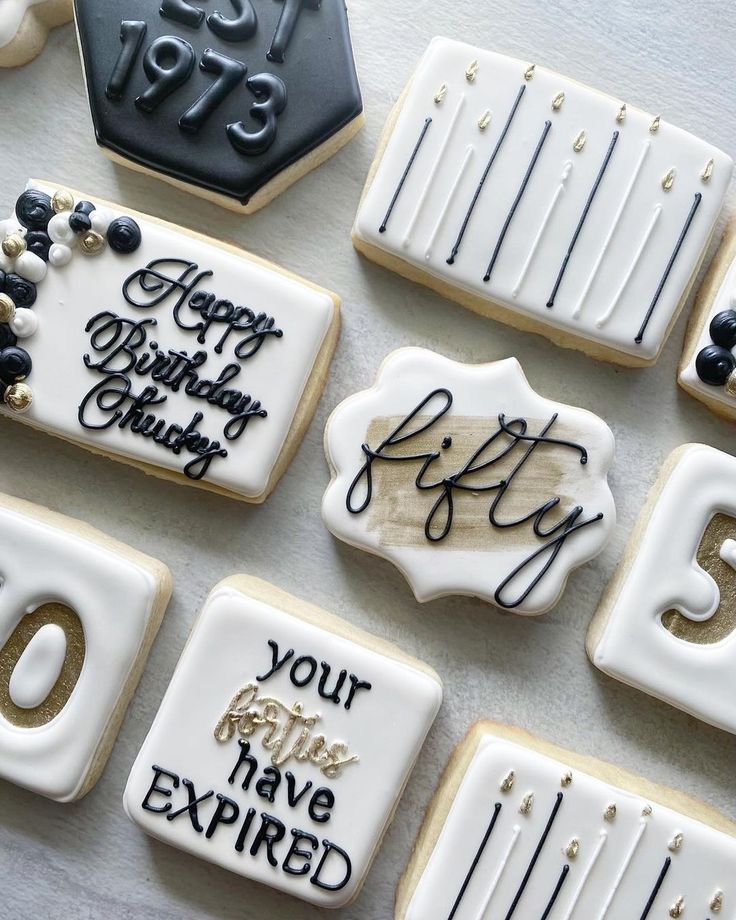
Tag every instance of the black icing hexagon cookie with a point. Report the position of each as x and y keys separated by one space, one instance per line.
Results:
x=233 y=101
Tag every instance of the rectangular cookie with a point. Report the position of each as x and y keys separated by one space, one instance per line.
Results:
x=520 y=828
x=537 y=201
x=283 y=743
x=157 y=346
x=78 y=614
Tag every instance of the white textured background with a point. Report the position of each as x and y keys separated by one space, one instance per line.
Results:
x=87 y=860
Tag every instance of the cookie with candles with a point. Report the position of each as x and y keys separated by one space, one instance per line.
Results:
x=25 y=25
x=542 y=203
x=468 y=481
x=78 y=614
x=283 y=743
x=154 y=345
x=233 y=103
x=675 y=636
x=521 y=828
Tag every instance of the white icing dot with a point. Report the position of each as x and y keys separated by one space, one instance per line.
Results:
x=101 y=219
x=6 y=265
x=60 y=231
x=31 y=267
x=39 y=667
x=59 y=255
x=24 y=323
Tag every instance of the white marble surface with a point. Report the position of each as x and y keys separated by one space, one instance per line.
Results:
x=87 y=861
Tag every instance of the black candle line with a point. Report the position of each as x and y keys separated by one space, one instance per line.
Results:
x=583 y=218
x=556 y=892
x=415 y=151
x=535 y=857
x=655 y=891
x=476 y=196
x=476 y=860
x=675 y=252
x=517 y=200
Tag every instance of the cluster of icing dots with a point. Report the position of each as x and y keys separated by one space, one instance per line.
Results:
x=45 y=232
x=716 y=363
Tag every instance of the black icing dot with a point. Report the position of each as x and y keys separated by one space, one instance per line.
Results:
x=38 y=243
x=20 y=291
x=124 y=235
x=80 y=222
x=84 y=207
x=33 y=209
x=15 y=364
x=723 y=328
x=714 y=364
x=446 y=442
x=7 y=336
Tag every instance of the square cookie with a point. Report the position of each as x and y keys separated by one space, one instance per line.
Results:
x=540 y=202
x=667 y=621
x=162 y=348
x=283 y=743
x=522 y=829
x=78 y=614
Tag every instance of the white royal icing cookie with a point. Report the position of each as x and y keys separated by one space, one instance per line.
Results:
x=667 y=623
x=469 y=481
x=520 y=829
x=24 y=27
x=539 y=201
x=157 y=346
x=283 y=743
x=78 y=614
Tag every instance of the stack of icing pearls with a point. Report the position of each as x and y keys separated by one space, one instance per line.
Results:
x=45 y=231
x=716 y=363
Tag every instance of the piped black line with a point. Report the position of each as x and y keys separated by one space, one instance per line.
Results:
x=583 y=218
x=476 y=196
x=476 y=860
x=517 y=200
x=405 y=175
x=556 y=892
x=655 y=891
x=535 y=857
x=675 y=252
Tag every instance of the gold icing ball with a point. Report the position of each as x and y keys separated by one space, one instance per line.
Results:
x=62 y=201
x=14 y=246
x=7 y=308
x=91 y=243
x=678 y=908
x=676 y=843
x=526 y=804
x=716 y=904
x=610 y=813
x=573 y=848
x=507 y=782
x=566 y=779
x=18 y=397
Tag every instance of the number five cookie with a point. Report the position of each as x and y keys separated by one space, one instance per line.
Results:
x=233 y=103
x=25 y=25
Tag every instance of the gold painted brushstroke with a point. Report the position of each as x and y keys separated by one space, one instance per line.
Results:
x=723 y=622
x=11 y=652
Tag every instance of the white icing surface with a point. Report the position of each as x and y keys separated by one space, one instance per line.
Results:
x=617 y=865
x=38 y=668
x=635 y=647
x=632 y=227
x=11 y=17
x=113 y=598
x=406 y=377
x=385 y=727
x=276 y=375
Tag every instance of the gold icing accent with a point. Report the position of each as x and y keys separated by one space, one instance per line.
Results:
x=507 y=783
x=716 y=902
x=678 y=908
x=707 y=170
x=526 y=804
x=646 y=811
x=91 y=243
x=7 y=308
x=440 y=94
x=610 y=813
x=62 y=201
x=18 y=397
x=668 y=180
x=557 y=102
x=654 y=126
x=529 y=72
x=13 y=246
x=472 y=71
x=573 y=848
x=579 y=142
x=731 y=384
x=621 y=116
x=10 y=654
x=723 y=622
x=484 y=120
x=566 y=780
x=676 y=843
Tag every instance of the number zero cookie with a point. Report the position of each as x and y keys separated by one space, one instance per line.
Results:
x=78 y=614
x=469 y=481
x=708 y=361
x=667 y=621
x=283 y=743
x=25 y=25
x=233 y=104
x=519 y=828
x=542 y=203
x=157 y=346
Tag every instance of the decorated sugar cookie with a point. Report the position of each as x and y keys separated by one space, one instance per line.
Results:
x=519 y=828
x=78 y=614
x=156 y=346
x=469 y=481
x=25 y=25
x=667 y=622
x=535 y=200
x=708 y=367
x=283 y=743
x=233 y=103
